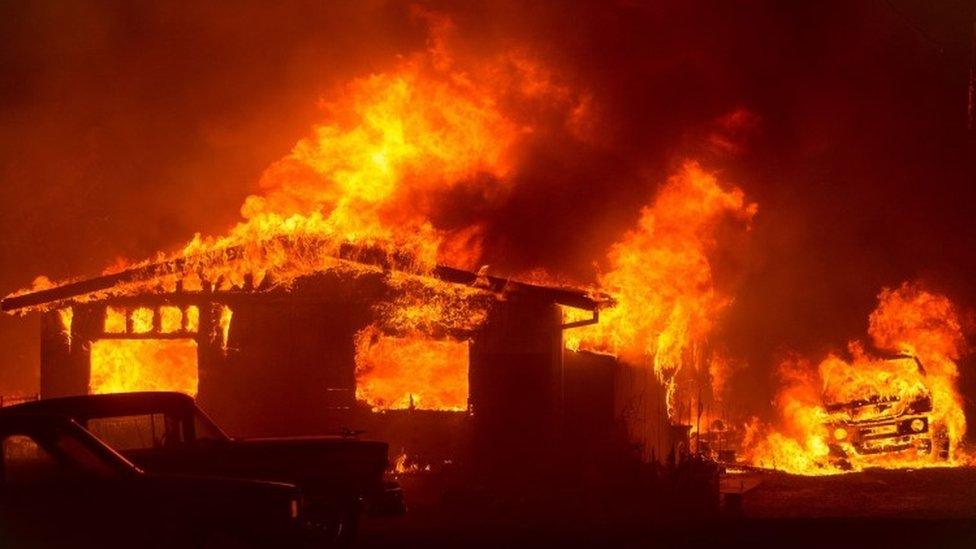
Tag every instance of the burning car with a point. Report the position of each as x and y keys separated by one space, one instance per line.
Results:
x=890 y=414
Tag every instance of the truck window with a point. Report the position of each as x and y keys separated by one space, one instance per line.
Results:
x=138 y=432
x=26 y=462
x=205 y=429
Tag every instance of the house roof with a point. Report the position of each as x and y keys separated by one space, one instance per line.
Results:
x=73 y=291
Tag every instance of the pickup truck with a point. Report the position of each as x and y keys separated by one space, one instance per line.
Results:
x=62 y=487
x=875 y=425
x=341 y=477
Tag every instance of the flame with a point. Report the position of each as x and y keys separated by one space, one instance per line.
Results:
x=115 y=322
x=422 y=365
x=192 y=319
x=914 y=321
x=801 y=444
x=121 y=365
x=66 y=315
x=367 y=190
x=923 y=330
x=400 y=466
x=170 y=319
x=396 y=145
x=720 y=368
x=142 y=320
x=381 y=171
x=429 y=306
x=372 y=183
x=411 y=372
x=226 y=314
x=661 y=276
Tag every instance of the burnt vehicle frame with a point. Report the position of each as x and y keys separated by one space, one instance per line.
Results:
x=893 y=426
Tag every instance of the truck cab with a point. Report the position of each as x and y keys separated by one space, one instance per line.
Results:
x=873 y=425
x=341 y=477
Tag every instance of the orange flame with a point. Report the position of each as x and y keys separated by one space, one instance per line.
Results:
x=396 y=145
x=66 y=315
x=115 y=322
x=121 y=365
x=375 y=177
x=142 y=320
x=170 y=319
x=874 y=411
x=226 y=314
x=192 y=319
x=411 y=373
x=661 y=276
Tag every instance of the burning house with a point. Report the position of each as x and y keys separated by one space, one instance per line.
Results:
x=330 y=304
x=286 y=327
x=356 y=345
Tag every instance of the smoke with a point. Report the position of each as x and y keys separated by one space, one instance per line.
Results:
x=128 y=128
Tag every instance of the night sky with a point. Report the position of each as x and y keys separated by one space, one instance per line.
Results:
x=126 y=127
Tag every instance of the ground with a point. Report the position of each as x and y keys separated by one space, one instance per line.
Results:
x=939 y=493
x=922 y=508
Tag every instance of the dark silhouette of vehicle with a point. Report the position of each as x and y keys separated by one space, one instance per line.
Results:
x=876 y=424
x=62 y=487
x=341 y=477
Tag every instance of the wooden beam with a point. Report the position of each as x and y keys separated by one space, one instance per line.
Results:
x=570 y=297
x=181 y=266
x=106 y=282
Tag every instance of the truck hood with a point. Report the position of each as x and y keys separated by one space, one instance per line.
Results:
x=307 y=461
x=876 y=407
x=222 y=498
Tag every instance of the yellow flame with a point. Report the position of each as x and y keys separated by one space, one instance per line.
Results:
x=192 y=319
x=115 y=320
x=224 y=323
x=122 y=365
x=170 y=319
x=142 y=320
x=65 y=315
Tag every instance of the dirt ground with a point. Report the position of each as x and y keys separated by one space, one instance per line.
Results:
x=942 y=493
x=922 y=508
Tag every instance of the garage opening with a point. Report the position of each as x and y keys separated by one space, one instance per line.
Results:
x=398 y=373
x=124 y=365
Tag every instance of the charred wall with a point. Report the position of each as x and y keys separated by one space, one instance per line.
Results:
x=589 y=389
x=287 y=367
x=516 y=382
x=65 y=353
x=66 y=350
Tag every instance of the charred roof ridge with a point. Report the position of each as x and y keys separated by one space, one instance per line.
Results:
x=572 y=297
